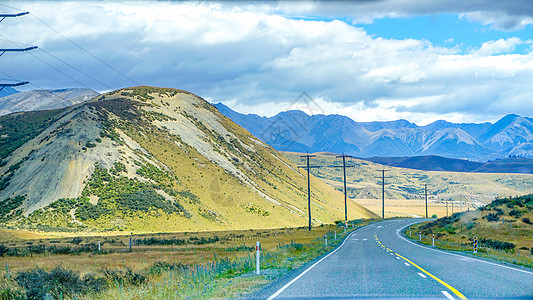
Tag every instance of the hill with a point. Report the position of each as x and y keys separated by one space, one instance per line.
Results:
x=8 y=91
x=43 y=100
x=296 y=131
x=149 y=159
x=503 y=227
x=467 y=189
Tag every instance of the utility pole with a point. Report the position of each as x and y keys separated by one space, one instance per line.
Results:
x=2 y=51
x=383 y=191
x=308 y=167
x=426 y=193
x=344 y=156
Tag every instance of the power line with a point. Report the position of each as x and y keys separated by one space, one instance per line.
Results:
x=308 y=167
x=83 y=49
x=344 y=156
x=80 y=71
x=383 y=191
x=3 y=85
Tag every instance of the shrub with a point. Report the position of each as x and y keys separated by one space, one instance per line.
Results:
x=58 y=283
x=516 y=213
x=3 y=250
x=434 y=216
x=526 y=220
x=124 y=277
x=492 y=217
x=498 y=245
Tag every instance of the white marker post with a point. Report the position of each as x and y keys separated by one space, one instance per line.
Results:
x=420 y=236
x=433 y=240
x=335 y=234
x=99 y=246
x=257 y=259
x=326 y=240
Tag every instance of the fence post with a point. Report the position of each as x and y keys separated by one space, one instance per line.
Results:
x=99 y=246
x=257 y=259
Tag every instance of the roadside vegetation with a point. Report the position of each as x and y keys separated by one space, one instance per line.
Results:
x=159 y=266
x=504 y=230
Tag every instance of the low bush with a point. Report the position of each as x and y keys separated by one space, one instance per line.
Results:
x=492 y=217
x=57 y=284
x=495 y=244
x=527 y=221
x=124 y=277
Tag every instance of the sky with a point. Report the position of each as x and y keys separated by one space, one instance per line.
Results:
x=461 y=61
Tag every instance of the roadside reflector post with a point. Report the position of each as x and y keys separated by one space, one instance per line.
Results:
x=420 y=236
x=409 y=230
x=99 y=246
x=475 y=244
x=344 y=229
x=257 y=258
x=335 y=234
x=433 y=240
x=326 y=240
x=130 y=243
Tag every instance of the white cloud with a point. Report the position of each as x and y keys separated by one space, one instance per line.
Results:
x=259 y=60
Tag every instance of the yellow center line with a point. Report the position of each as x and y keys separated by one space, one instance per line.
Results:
x=389 y=249
x=455 y=291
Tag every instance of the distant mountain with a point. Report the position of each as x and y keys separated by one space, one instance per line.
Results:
x=299 y=132
x=44 y=100
x=8 y=91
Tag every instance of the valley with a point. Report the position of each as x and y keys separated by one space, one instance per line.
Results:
x=406 y=186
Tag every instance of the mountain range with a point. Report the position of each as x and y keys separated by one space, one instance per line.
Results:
x=43 y=99
x=511 y=136
x=6 y=91
x=150 y=159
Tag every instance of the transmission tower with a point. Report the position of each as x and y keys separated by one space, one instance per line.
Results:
x=2 y=51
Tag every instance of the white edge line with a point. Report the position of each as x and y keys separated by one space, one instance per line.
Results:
x=308 y=269
x=447 y=295
x=462 y=256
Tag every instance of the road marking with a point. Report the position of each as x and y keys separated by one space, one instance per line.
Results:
x=308 y=269
x=397 y=257
x=392 y=254
x=364 y=239
x=389 y=249
x=422 y=275
x=461 y=256
x=455 y=291
x=447 y=295
x=406 y=264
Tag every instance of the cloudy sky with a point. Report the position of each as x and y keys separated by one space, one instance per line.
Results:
x=462 y=61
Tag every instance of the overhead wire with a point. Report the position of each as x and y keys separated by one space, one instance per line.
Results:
x=51 y=66
x=79 y=47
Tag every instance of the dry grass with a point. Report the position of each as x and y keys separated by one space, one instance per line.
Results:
x=142 y=256
x=410 y=208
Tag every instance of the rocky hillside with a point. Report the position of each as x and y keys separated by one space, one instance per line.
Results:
x=299 y=132
x=44 y=99
x=149 y=159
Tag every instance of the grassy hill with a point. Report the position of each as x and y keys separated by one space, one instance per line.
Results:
x=467 y=189
x=149 y=159
x=504 y=229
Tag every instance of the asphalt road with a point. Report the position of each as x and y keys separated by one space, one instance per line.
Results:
x=376 y=262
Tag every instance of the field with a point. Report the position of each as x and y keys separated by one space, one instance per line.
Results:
x=409 y=208
x=219 y=257
x=406 y=186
